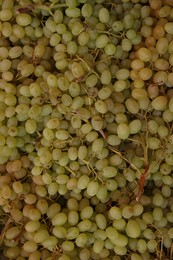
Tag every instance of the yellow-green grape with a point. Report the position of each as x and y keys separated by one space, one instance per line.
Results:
x=83 y=182
x=154 y=143
x=12 y=252
x=139 y=94
x=84 y=225
x=135 y=256
x=77 y=70
x=92 y=188
x=119 y=85
x=168 y=27
x=115 y=213
x=59 y=219
x=133 y=229
x=144 y=54
x=132 y=105
x=12 y=232
x=53 y=209
x=119 y=224
x=101 y=221
x=68 y=246
x=123 y=131
x=81 y=240
x=122 y=241
x=6 y=191
x=41 y=235
x=122 y=74
x=50 y=243
x=101 y=41
x=152 y=245
x=112 y=234
x=109 y=172
x=127 y=212
x=59 y=232
x=32 y=226
x=72 y=233
x=30 y=246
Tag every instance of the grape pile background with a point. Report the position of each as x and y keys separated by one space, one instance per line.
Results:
x=86 y=134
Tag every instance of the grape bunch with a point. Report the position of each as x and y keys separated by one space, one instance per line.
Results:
x=86 y=133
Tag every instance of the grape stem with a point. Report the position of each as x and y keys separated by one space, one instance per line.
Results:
x=125 y=159
x=4 y=230
x=146 y=172
x=19 y=235
x=68 y=169
x=142 y=182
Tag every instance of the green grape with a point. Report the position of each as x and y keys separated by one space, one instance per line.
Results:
x=110 y=49
x=105 y=77
x=30 y=246
x=50 y=243
x=83 y=182
x=126 y=44
x=133 y=229
x=112 y=234
x=115 y=213
x=81 y=240
x=98 y=246
x=123 y=131
x=152 y=245
x=127 y=212
x=101 y=221
x=87 y=10
x=122 y=74
x=92 y=188
x=109 y=172
x=59 y=219
x=119 y=224
x=84 y=225
x=117 y=26
x=168 y=27
x=72 y=12
x=104 y=15
x=12 y=252
x=101 y=41
x=73 y=218
x=158 y=200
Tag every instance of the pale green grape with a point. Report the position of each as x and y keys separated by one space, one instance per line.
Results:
x=92 y=188
x=50 y=243
x=127 y=212
x=101 y=41
x=132 y=106
x=30 y=246
x=112 y=234
x=133 y=229
x=117 y=26
x=123 y=131
x=81 y=240
x=152 y=245
x=115 y=213
x=101 y=221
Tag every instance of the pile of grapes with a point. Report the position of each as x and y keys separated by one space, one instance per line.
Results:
x=86 y=129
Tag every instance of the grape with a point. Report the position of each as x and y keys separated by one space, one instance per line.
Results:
x=50 y=243
x=115 y=213
x=144 y=54
x=112 y=234
x=133 y=229
x=101 y=41
x=123 y=131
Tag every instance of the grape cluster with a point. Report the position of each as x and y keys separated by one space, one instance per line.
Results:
x=86 y=136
